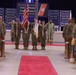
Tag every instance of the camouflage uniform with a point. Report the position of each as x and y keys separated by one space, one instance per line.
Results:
x=12 y=30
x=25 y=36
x=17 y=33
x=2 y=36
x=73 y=42
x=74 y=34
x=67 y=33
x=43 y=37
x=34 y=39
x=50 y=27
x=30 y=30
x=39 y=33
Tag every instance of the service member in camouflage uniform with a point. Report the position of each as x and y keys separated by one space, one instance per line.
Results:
x=43 y=35
x=67 y=34
x=12 y=29
x=73 y=21
x=74 y=33
x=25 y=36
x=34 y=34
x=50 y=28
x=2 y=36
x=70 y=30
x=30 y=30
x=73 y=43
x=17 y=33
x=39 y=32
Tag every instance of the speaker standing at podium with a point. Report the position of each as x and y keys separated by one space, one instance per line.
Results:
x=2 y=36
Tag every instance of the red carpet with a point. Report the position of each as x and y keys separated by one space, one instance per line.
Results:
x=36 y=65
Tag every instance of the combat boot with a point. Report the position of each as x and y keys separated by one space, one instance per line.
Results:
x=16 y=47
x=26 y=48
x=43 y=48
x=35 y=47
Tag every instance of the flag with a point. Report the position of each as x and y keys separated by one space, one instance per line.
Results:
x=25 y=16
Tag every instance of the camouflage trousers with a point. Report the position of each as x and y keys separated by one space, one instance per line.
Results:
x=69 y=40
x=12 y=36
x=34 y=40
x=1 y=43
x=43 y=41
x=25 y=40
x=39 y=38
x=29 y=33
x=50 y=37
x=17 y=38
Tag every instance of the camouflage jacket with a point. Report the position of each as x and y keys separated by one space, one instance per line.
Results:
x=42 y=31
x=74 y=31
x=12 y=26
x=2 y=28
x=17 y=28
x=67 y=31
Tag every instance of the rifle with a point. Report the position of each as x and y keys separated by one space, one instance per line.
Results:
x=67 y=48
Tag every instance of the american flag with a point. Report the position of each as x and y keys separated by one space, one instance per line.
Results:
x=25 y=16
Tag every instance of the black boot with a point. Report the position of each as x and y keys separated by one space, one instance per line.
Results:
x=16 y=47
x=26 y=48
x=35 y=47
x=41 y=48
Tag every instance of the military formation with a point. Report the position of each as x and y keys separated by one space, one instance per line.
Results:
x=69 y=35
x=36 y=30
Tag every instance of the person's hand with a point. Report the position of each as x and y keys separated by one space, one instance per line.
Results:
x=34 y=33
x=37 y=36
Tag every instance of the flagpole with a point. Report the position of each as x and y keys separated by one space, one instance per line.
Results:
x=25 y=15
x=26 y=1
x=36 y=9
x=70 y=14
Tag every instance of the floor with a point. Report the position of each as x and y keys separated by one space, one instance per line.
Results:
x=9 y=65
